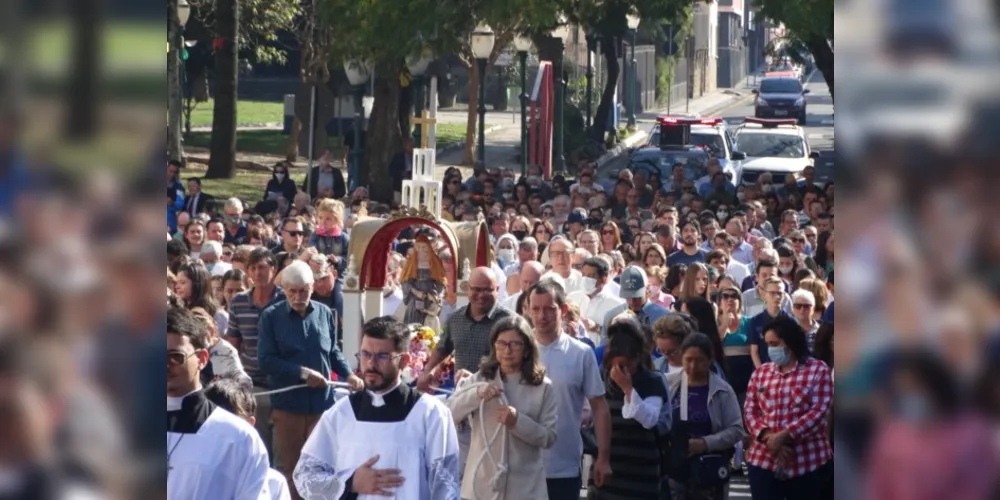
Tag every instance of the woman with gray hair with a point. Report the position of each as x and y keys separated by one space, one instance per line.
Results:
x=511 y=407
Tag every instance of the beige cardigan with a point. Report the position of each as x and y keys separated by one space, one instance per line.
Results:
x=534 y=431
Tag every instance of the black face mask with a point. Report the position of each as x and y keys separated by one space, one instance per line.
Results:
x=519 y=234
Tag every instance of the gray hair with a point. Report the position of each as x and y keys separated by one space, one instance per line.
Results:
x=234 y=204
x=211 y=248
x=529 y=242
x=804 y=294
x=297 y=273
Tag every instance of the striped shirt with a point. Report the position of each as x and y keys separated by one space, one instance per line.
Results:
x=244 y=318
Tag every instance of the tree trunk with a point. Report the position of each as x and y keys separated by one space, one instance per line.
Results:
x=406 y=109
x=823 y=54
x=222 y=162
x=383 y=139
x=83 y=92
x=292 y=148
x=472 y=115
x=611 y=59
x=174 y=94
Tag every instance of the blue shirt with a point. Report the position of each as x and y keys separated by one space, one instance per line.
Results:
x=681 y=257
x=287 y=342
x=176 y=207
x=757 y=325
x=237 y=238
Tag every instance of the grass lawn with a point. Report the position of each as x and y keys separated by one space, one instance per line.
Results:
x=125 y=45
x=450 y=133
x=247 y=113
x=246 y=184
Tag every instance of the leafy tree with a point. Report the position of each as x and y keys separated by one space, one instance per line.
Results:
x=222 y=150
x=260 y=23
x=808 y=24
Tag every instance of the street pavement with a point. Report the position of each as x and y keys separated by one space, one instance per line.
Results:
x=819 y=126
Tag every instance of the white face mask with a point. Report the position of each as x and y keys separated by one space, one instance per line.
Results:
x=767 y=188
x=785 y=269
x=589 y=285
x=741 y=196
x=280 y=177
x=506 y=254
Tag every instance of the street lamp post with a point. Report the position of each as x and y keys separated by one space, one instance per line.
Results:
x=175 y=63
x=632 y=19
x=417 y=66
x=522 y=45
x=358 y=74
x=560 y=34
x=483 y=39
x=591 y=46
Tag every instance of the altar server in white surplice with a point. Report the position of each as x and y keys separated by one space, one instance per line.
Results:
x=388 y=441
x=211 y=453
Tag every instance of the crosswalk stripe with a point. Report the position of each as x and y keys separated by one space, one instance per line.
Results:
x=827 y=122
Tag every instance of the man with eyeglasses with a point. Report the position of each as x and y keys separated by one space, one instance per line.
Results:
x=211 y=453
x=404 y=441
x=773 y=289
x=292 y=236
x=297 y=343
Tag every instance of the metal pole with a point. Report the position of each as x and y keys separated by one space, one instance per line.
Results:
x=482 y=111
x=359 y=118
x=633 y=74
x=312 y=134
x=432 y=102
x=590 y=78
x=524 y=112
x=673 y=67
x=418 y=106
x=560 y=83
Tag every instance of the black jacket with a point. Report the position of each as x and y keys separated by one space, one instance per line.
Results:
x=311 y=182
x=286 y=188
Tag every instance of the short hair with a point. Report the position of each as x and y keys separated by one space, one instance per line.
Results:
x=804 y=294
x=693 y=223
x=600 y=265
x=260 y=255
x=773 y=280
x=176 y=248
x=388 y=328
x=211 y=247
x=233 y=396
x=765 y=263
x=674 y=326
x=196 y=180
x=716 y=254
x=528 y=243
x=297 y=273
x=235 y=204
x=550 y=287
x=183 y=322
x=296 y=220
x=242 y=253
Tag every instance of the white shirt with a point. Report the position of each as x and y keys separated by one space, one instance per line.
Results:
x=738 y=271
x=575 y=281
x=511 y=302
x=392 y=302
x=278 y=485
x=596 y=308
x=645 y=411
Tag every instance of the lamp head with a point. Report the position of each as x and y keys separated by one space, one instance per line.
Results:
x=183 y=11
x=357 y=72
x=482 y=41
x=632 y=19
x=522 y=43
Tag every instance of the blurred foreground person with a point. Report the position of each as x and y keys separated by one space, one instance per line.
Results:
x=930 y=447
x=388 y=440
x=211 y=453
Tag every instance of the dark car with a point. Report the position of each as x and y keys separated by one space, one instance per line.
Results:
x=781 y=97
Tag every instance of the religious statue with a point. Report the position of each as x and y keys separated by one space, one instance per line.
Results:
x=424 y=281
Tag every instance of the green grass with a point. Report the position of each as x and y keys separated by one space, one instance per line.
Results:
x=125 y=46
x=450 y=133
x=246 y=184
x=247 y=113
x=271 y=142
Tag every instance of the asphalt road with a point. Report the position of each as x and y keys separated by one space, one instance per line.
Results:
x=819 y=126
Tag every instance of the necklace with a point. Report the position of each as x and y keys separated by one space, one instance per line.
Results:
x=171 y=452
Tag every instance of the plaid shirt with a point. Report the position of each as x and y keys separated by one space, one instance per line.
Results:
x=797 y=401
x=467 y=338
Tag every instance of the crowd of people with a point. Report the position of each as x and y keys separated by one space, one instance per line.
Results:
x=631 y=340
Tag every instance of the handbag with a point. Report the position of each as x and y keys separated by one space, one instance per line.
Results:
x=705 y=470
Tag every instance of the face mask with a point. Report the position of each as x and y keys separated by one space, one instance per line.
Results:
x=785 y=269
x=234 y=220
x=280 y=177
x=778 y=354
x=741 y=196
x=723 y=215
x=912 y=407
x=535 y=180
x=209 y=267
x=589 y=285
x=506 y=254
x=520 y=235
x=767 y=189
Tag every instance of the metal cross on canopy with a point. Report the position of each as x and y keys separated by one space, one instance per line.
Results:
x=424 y=122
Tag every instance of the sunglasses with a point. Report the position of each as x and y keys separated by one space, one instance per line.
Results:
x=803 y=306
x=729 y=296
x=798 y=240
x=177 y=358
x=295 y=233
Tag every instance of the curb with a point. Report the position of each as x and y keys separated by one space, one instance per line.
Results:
x=455 y=146
x=622 y=147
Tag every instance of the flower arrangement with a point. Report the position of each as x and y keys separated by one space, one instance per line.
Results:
x=423 y=341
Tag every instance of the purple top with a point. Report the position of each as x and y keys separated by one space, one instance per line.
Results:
x=699 y=424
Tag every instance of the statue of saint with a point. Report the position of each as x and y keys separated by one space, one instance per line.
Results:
x=424 y=281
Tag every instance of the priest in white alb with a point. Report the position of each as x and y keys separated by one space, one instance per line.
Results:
x=388 y=441
x=211 y=453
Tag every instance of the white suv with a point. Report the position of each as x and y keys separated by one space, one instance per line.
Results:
x=711 y=134
x=776 y=146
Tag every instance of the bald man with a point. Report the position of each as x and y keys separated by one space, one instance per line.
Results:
x=531 y=272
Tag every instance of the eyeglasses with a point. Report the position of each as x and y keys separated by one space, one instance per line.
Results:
x=177 y=358
x=227 y=254
x=376 y=356
x=295 y=233
x=798 y=240
x=803 y=306
x=513 y=345
x=729 y=295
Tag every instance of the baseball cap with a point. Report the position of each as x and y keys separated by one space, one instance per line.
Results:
x=632 y=283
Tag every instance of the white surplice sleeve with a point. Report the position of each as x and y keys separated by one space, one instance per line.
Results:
x=316 y=476
x=645 y=411
x=442 y=453
x=253 y=464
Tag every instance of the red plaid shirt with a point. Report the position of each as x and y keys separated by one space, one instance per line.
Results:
x=797 y=401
